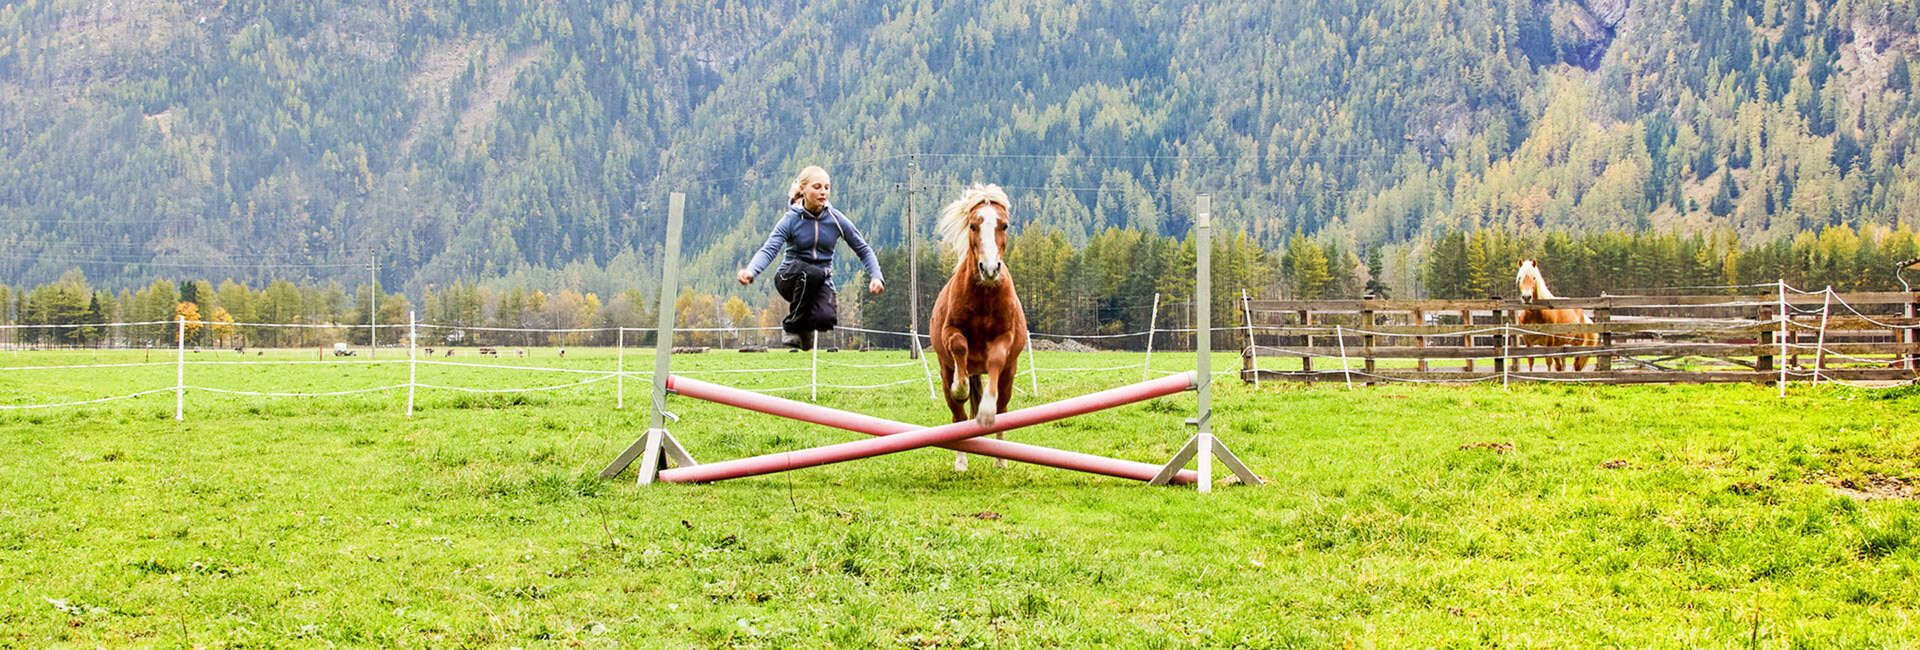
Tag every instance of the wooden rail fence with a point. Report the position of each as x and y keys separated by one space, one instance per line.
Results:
x=1762 y=338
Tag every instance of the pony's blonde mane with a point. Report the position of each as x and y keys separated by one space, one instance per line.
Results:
x=1531 y=269
x=953 y=218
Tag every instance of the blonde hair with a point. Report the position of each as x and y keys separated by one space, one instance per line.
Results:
x=953 y=218
x=812 y=172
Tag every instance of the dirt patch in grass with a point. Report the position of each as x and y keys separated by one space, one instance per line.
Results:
x=1874 y=487
x=1495 y=447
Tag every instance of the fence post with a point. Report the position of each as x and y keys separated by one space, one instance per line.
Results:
x=1911 y=335
x=1500 y=362
x=1153 y=324
x=1253 y=347
x=180 y=369
x=413 y=357
x=1791 y=349
x=1340 y=338
x=1368 y=320
x=1820 y=343
x=924 y=370
x=373 y=308
x=1466 y=336
x=1306 y=342
x=1420 y=341
x=1500 y=342
x=620 y=368
x=1783 y=337
x=1762 y=359
x=1602 y=316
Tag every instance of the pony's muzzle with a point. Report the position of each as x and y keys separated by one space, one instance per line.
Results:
x=989 y=273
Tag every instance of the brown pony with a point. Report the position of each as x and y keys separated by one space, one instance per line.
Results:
x=978 y=327
x=1532 y=286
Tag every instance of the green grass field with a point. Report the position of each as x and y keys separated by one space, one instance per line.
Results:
x=1399 y=515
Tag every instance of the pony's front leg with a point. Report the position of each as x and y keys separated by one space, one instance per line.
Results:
x=998 y=386
x=955 y=376
x=954 y=383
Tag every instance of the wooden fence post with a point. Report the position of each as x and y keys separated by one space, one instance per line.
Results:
x=1792 y=346
x=1306 y=341
x=1366 y=342
x=1500 y=362
x=1911 y=335
x=1763 y=362
x=1420 y=318
x=1466 y=340
x=1602 y=316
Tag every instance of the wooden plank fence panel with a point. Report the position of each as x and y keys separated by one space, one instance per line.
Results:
x=1613 y=377
x=1607 y=302
x=1624 y=349
x=1864 y=336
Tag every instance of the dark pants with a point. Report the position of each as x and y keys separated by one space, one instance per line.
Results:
x=811 y=305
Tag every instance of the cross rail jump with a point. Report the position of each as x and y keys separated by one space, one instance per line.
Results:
x=658 y=445
x=899 y=436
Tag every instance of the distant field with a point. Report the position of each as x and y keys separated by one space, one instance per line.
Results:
x=1400 y=515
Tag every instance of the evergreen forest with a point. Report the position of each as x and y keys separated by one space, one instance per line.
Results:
x=352 y=154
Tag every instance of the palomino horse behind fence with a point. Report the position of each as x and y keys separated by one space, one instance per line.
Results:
x=978 y=327
x=1534 y=286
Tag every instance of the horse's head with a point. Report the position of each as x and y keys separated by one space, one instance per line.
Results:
x=1531 y=284
x=975 y=228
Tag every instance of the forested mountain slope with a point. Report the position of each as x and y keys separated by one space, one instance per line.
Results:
x=537 y=140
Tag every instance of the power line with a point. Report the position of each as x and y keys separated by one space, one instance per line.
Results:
x=135 y=252
x=155 y=221
x=100 y=262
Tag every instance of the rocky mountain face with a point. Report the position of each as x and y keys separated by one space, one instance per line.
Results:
x=1585 y=29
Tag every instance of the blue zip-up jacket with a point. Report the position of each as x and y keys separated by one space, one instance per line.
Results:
x=811 y=238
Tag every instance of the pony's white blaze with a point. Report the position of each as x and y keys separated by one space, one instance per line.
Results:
x=990 y=219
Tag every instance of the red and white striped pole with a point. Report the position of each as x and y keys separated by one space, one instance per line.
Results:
x=860 y=423
x=948 y=433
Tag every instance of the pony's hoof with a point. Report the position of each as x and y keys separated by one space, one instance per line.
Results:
x=985 y=419
x=959 y=463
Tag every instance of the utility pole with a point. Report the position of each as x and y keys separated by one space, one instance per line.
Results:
x=913 y=263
